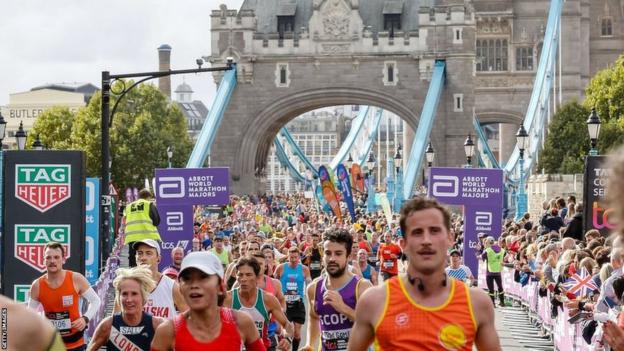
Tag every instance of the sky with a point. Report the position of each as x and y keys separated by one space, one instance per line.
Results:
x=45 y=41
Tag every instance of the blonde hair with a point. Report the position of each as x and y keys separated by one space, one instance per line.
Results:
x=605 y=272
x=141 y=275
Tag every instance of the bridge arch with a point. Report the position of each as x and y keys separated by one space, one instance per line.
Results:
x=258 y=137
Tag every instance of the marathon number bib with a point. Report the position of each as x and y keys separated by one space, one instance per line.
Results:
x=388 y=264
x=316 y=266
x=61 y=321
x=292 y=294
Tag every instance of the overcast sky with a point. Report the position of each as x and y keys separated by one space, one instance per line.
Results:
x=45 y=41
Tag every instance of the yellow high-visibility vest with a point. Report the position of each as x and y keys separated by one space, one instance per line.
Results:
x=138 y=222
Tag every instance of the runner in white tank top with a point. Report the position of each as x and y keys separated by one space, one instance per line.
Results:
x=160 y=301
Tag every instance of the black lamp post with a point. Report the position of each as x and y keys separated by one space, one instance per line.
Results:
x=593 y=127
x=20 y=137
x=522 y=141
x=169 y=154
x=397 y=160
x=3 y=124
x=469 y=150
x=430 y=154
x=370 y=163
x=350 y=161
x=37 y=145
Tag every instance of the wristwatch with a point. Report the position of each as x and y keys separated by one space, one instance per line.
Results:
x=86 y=319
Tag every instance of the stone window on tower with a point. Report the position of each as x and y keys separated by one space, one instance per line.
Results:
x=606 y=27
x=458 y=102
x=282 y=75
x=524 y=59
x=390 y=73
x=458 y=36
x=392 y=10
x=492 y=55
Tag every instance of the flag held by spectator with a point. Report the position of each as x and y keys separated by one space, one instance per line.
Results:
x=580 y=283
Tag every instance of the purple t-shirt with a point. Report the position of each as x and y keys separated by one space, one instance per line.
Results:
x=335 y=326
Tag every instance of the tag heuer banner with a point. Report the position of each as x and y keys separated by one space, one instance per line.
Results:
x=595 y=212
x=44 y=201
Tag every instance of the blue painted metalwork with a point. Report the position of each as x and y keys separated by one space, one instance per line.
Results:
x=294 y=147
x=424 y=128
x=356 y=129
x=285 y=161
x=372 y=136
x=390 y=182
x=398 y=191
x=213 y=120
x=489 y=156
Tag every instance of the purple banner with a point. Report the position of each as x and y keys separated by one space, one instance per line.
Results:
x=192 y=186
x=176 y=229
x=345 y=187
x=480 y=191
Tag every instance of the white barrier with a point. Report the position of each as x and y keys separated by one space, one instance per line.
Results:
x=566 y=336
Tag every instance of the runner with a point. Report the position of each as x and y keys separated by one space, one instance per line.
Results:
x=368 y=272
x=388 y=256
x=457 y=270
x=132 y=329
x=26 y=330
x=456 y=316
x=313 y=256
x=259 y=305
x=59 y=292
x=205 y=326
x=163 y=300
x=177 y=254
x=333 y=296
x=294 y=276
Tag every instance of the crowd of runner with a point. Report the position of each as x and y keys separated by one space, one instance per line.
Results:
x=266 y=266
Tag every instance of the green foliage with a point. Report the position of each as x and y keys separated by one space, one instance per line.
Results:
x=144 y=125
x=567 y=142
x=54 y=128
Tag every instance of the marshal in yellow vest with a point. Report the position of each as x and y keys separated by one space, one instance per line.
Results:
x=139 y=225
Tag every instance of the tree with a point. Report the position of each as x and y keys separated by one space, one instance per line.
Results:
x=567 y=141
x=144 y=125
x=53 y=127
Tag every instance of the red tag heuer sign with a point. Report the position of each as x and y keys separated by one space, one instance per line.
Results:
x=31 y=239
x=42 y=186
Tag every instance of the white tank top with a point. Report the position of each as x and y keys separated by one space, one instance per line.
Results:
x=160 y=301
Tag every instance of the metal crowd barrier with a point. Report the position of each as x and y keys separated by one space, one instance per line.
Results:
x=566 y=336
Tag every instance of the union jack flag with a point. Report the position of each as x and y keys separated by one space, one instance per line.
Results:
x=580 y=283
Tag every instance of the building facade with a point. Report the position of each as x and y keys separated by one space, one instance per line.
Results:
x=295 y=56
x=25 y=107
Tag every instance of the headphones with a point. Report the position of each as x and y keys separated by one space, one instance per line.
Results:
x=421 y=285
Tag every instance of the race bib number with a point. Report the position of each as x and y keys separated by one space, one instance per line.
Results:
x=60 y=320
x=335 y=339
x=388 y=264
x=315 y=266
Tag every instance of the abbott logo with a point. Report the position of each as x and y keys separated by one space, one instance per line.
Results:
x=175 y=218
x=445 y=186
x=483 y=218
x=171 y=187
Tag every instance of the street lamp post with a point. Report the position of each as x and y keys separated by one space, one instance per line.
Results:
x=20 y=137
x=107 y=121
x=469 y=151
x=37 y=145
x=522 y=141
x=349 y=162
x=169 y=154
x=430 y=156
x=398 y=194
x=371 y=184
x=593 y=127
x=3 y=124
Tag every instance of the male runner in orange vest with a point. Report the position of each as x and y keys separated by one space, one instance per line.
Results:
x=59 y=291
x=424 y=309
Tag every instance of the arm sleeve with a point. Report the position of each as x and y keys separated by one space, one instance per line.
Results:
x=33 y=304
x=154 y=215
x=94 y=303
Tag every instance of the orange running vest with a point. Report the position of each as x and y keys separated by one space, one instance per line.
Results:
x=406 y=325
x=61 y=307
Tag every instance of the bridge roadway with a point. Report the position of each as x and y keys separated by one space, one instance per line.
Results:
x=514 y=329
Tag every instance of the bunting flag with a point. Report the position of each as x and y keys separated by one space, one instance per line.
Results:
x=385 y=206
x=580 y=283
x=329 y=192
x=357 y=178
x=345 y=186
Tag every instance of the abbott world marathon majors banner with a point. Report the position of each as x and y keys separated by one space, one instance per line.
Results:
x=177 y=191
x=595 y=211
x=44 y=201
x=480 y=192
